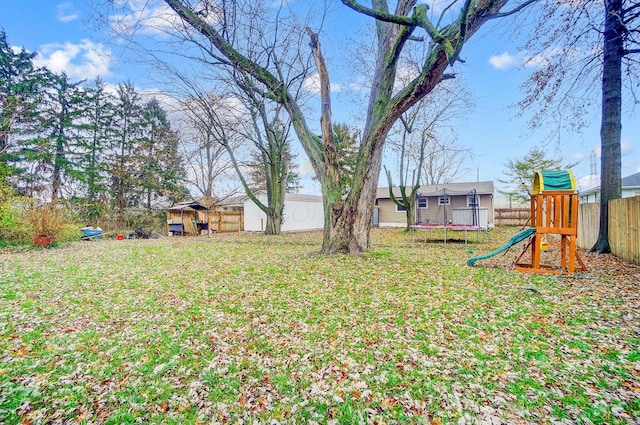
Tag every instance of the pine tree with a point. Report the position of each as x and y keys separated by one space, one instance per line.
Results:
x=22 y=90
x=63 y=117
x=122 y=162
x=162 y=168
x=99 y=137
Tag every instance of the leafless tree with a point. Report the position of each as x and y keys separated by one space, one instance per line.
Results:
x=206 y=156
x=425 y=146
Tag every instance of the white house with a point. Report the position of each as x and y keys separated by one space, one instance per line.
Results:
x=301 y=212
x=630 y=187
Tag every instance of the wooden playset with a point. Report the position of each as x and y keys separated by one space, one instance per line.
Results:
x=554 y=211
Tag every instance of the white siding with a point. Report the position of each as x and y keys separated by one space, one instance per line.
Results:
x=299 y=215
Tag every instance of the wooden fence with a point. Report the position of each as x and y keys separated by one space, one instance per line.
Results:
x=588 y=225
x=512 y=216
x=229 y=221
x=624 y=220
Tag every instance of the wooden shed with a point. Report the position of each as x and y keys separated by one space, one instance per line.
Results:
x=188 y=218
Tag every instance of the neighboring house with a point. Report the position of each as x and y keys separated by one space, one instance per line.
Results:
x=630 y=188
x=301 y=212
x=452 y=203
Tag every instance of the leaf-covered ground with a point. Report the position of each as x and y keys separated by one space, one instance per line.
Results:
x=255 y=329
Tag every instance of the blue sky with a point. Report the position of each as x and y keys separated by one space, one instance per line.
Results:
x=67 y=37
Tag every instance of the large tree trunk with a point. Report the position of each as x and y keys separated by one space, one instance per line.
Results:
x=348 y=224
x=610 y=130
x=275 y=206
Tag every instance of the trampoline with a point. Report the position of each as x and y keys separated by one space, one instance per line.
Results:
x=448 y=227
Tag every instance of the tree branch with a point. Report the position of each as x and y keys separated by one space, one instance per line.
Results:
x=236 y=58
x=382 y=16
x=513 y=11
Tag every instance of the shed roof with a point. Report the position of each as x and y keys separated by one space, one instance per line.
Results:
x=188 y=206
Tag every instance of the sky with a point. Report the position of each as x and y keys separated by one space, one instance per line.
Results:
x=69 y=37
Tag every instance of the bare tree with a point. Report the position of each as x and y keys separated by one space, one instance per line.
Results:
x=275 y=39
x=205 y=156
x=422 y=155
x=269 y=133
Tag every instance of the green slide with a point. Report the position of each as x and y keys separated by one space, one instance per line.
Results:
x=517 y=238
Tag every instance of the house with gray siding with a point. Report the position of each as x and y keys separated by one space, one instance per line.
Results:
x=451 y=203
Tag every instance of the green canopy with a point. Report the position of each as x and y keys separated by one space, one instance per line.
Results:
x=553 y=180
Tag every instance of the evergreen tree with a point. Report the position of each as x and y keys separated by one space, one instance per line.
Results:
x=99 y=137
x=63 y=117
x=122 y=162
x=520 y=172
x=22 y=90
x=162 y=168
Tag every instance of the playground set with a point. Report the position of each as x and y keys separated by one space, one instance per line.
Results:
x=554 y=211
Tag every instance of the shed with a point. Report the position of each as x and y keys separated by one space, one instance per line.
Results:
x=188 y=218
x=301 y=213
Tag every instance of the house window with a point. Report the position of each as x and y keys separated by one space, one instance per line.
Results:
x=444 y=200
x=423 y=202
x=473 y=200
x=400 y=208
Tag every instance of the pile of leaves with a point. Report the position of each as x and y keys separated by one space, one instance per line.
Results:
x=257 y=329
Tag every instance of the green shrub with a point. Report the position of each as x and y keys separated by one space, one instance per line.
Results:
x=12 y=228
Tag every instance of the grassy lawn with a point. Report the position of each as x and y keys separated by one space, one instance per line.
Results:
x=255 y=329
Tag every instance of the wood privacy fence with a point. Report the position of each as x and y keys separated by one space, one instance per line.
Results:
x=512 y=216
x=588 y=225
x=228 y=221
x=624 y=221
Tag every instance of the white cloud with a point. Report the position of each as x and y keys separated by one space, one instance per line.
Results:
x=144 y=16
x=503 y=61
x=405 y=75
x=312 y=84
x=543 y=58
x=626 y=147
x=66 y=12
x=154 y=17
x=85 y=60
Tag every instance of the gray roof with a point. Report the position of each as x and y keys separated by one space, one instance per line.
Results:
x=302 y=197
x=481 y=188
x=232 y=201
x=631 y=181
